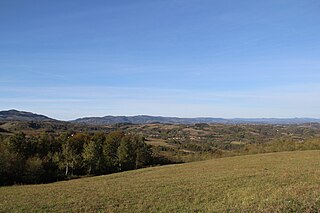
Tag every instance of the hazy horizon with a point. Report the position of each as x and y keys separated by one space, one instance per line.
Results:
x=133 y=115
x=181 y=58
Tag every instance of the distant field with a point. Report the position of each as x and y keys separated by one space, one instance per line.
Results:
x=158 y=142
x=277 y=182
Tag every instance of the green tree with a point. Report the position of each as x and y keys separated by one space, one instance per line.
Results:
x=33 y=171
x=126 y=154
x=47 y=143
x=72 y=152
x=143 y=152
x=99 y=140
x=110 y=150
x=18 y=143
x=12 y=166
x=90 y=156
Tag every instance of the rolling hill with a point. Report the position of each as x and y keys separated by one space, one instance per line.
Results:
x=145 y=119
x=15 y=115
x=276 y=182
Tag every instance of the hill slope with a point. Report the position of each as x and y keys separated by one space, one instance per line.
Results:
x=277 y=182
x=15 y=115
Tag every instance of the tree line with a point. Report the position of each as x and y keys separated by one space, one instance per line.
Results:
x=47 y=157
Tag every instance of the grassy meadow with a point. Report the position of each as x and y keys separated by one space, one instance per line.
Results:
x=275 y=182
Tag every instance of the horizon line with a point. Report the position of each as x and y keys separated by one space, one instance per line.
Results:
x=163 y=116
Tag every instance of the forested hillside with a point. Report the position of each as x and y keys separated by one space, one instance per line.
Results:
x=46 y=157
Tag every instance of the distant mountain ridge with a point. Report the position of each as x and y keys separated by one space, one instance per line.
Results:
x=15 y=115
x=145 y=119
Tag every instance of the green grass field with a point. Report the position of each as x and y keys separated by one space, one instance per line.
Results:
x=276 y=182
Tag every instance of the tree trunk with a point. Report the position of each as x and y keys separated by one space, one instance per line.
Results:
x=89 y=171
x=67 y=169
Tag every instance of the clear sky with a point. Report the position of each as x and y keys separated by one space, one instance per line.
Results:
x=186 y=58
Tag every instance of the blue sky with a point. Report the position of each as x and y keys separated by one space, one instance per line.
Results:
x=186 y=58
